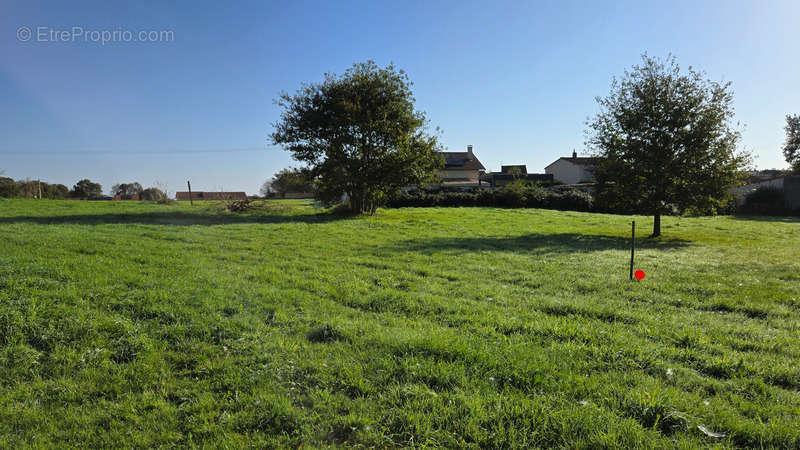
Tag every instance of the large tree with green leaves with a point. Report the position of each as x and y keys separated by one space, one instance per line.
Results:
x=85 y=188
x=359 y=134
x=133 y=188
x=665 y=141
x=791 y=148
x=8 y=187
x=292 y=180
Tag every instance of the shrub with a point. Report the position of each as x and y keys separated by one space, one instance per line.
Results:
x=8 y=187
x=569 y=200
x=153 y=194
x=765 y=194
x=764 y=200
x=711 y=207
x=513 y=195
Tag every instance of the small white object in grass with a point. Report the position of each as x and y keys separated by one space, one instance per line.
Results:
x=583 y=402
x=710 y=433
x=670 y=372
x=491 y=379
x=706 y=402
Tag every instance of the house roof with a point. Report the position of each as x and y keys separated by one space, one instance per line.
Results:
x=580 y=160
x=461 y=161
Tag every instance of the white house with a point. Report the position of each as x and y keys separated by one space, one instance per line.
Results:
x=572 y=170
x=461 y=168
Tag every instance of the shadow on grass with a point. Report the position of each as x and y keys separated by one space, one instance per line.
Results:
x=539 y=243
x=786 y=219
x=177 y=218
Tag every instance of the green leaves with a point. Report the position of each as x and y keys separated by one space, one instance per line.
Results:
x=359 y=134
x=665 y=139
x=86 y=189
x=791 y=148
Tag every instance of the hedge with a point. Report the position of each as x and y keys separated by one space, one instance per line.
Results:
x=506 y=197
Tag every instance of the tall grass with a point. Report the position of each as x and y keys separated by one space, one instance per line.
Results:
x=135 y=324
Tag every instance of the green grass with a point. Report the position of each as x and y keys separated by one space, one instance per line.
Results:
x=132 y=324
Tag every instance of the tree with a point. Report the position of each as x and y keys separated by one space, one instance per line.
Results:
x=266 y=188
x=292 y=180
x=8 y=187
x=359 y=134
x=664 y=141
x=791 y=148
x=153 y=194
x=86 y=189
x=56 y=191
x=28 y=188
x=133 y=188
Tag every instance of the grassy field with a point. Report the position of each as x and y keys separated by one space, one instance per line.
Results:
x=133 y=324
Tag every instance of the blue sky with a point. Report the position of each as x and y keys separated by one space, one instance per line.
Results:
x=517 y=80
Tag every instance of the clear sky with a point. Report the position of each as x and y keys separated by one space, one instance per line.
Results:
x=517 y=80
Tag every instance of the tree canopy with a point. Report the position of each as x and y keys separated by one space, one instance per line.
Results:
x=791 y=148
x=153 y=194
x=664 y=141
x=8 y=187
x=359 y=134
x=291 y=180
x=85 y=188
x=133 y=188
x=31 y=189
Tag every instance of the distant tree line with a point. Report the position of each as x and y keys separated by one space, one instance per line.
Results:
x=31 y=189
x=84 y=188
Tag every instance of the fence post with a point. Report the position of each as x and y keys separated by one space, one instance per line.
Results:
x=633 y=244
x=191 y=203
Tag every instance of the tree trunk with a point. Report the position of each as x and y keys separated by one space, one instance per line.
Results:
x=656 y=226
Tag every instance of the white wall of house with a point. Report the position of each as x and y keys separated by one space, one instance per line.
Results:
x=472 y=175
x=567 y=172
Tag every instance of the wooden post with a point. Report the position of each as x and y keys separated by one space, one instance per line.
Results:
x=633 y=244
x=191 y=203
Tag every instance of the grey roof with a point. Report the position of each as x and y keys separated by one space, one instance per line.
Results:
x=462 y=161
x=580 y=160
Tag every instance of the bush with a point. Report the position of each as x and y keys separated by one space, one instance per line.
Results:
x=764 y=200
x=8 y=187
x=712 y=207
x=513 y=195
x=154 y=195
